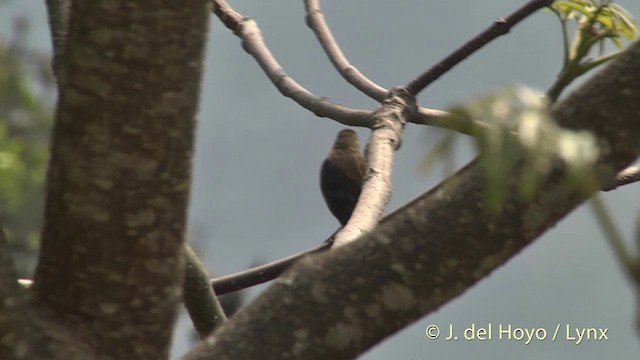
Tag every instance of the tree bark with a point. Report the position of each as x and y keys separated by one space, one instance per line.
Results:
x=111 y=267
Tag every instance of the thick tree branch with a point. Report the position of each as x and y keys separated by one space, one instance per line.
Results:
x=339 y=304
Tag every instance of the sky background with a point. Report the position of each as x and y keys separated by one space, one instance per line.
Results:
x=256 y=192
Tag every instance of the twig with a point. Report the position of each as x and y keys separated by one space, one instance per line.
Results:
x=253 y=43
x=261 y=274
x=499 y=27
x=627 y=176
x=317 y=23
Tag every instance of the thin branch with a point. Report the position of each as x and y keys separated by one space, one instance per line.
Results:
x=499 y=27
x=243 y=279
x=385 y=139
x=202 y=305
x=627 y=176
x=253 y=43
x=316 y=22
x=263 y=273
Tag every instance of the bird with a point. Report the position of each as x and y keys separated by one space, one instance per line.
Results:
x=341 y=175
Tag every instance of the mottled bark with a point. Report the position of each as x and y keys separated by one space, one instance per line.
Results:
x=58 y=13
x=111 y=267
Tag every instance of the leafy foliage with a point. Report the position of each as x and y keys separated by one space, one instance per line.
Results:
x=512 y=126
x=597 y=22
x=604 y=20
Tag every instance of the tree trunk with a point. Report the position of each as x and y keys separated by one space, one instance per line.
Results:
x=111 y=266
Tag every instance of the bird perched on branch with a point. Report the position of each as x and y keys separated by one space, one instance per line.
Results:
x=341 y=175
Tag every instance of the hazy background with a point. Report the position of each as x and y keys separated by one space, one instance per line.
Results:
x=256 y=192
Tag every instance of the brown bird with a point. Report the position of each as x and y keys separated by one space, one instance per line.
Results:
x=341 y=175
